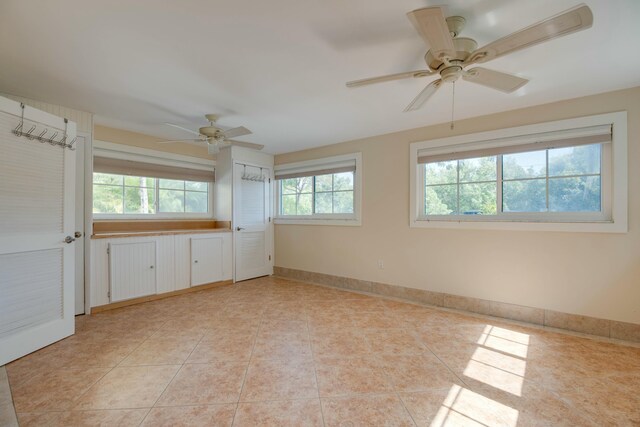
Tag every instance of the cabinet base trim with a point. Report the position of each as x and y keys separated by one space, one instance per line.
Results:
x=119 y=304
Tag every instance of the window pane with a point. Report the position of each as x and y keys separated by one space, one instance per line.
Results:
x=524 y=165
x=524 y=196
x=288 y=186
x=441 y=200
x=343 y=181
x=171 y=184
x=582 y=160
x=304 y=204
x=139 y=200
x=478 y=199
x=441 y=172
x=324 y=182
x=480 y=169
x=343 y=202
x=171 y=200
x=139 y=181
x=107 y=178
x=323 y=202
x=196 y=186
x=196 y=202
x=581 y=194
x=107 y=199
x=288 y=204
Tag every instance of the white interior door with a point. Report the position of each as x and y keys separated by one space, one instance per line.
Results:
x=79 y=226
x=37 y=206
x=251 y=213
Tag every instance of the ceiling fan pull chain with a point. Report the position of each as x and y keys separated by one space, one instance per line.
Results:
x=453 y=102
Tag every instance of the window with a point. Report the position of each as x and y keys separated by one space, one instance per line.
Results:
x=135 y=195
x=559 y=177
x=324 y=191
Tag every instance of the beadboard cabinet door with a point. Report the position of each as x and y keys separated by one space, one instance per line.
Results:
x=207 y=264
x=132 y=270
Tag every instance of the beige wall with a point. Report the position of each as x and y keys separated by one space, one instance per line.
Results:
x=591 y=274
x=119 y=136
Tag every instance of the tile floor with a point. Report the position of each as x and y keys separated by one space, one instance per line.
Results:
x=277 y=352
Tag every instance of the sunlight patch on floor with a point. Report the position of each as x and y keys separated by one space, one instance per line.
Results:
x=465 y=407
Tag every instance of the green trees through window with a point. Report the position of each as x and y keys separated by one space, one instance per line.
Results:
x=321 y=194
x=131 y=195
x=553 y=180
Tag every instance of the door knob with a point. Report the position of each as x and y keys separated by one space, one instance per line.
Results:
x=77 y=234
x=239 y=228
x=69 y=239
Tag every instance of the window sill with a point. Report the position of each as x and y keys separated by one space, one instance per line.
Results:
x=354 y=222
x=577 y=227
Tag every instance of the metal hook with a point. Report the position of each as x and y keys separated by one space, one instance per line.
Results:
x=70 y=145
x=18 y=129
x=28 y=134
x=41 y=136
x=52 y=138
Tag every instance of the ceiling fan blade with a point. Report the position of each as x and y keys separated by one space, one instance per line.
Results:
x=245 y=144
x=181 y=140
x=570 y=21
x=503 y=82
x=423 y=96
x=390 y=77
x=432 y=26
x=234 y=132
x=184 y=129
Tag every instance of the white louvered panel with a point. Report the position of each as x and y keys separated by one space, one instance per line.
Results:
x=206 y=260
x=83 y=119
x=132 y=270
x=182 y=261
x=252 y=250
x=32 y=299
x=32 y=184
x=252 y=200
x=166 y=264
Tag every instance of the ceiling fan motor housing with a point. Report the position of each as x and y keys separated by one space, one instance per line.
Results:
x=464 y=47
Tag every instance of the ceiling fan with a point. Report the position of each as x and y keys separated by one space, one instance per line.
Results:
x=216 y=137
x=449 y=55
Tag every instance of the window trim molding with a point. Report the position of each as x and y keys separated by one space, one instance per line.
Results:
x=354 y=219
x=126 y=152
x=618 y=189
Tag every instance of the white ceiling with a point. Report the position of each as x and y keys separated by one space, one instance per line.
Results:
x=278 y=67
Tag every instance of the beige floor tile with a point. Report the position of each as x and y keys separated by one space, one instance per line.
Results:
x=273 y=379
x=161 y=351
x=114 y=417
x=394 y=341
x=128 y=387
x=231 y=347
x=381 y=410
x=417 y=372
x=57 y=389
x=347 y=376
x=199 y=384
x=341 y=343
x=278 y=346
x=280 y=413
x=188 y=416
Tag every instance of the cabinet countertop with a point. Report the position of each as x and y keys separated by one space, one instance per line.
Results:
x=158 y=233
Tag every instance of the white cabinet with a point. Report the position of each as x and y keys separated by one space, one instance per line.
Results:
x=206 y=260
x=121 y=266
x=132 y=270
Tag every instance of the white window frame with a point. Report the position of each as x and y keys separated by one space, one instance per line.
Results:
x=353 y=219
x=612 y=219
x=125 y=152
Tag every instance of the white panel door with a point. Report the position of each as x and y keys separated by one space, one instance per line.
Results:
x=37 y=192
x=132 y=270
x=206 y=260
x=252 y=232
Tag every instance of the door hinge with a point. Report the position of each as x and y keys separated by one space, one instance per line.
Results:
x=269 y=180
x=108 y=252
x=269 y=257
x=269 y=219
x=108 y=294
